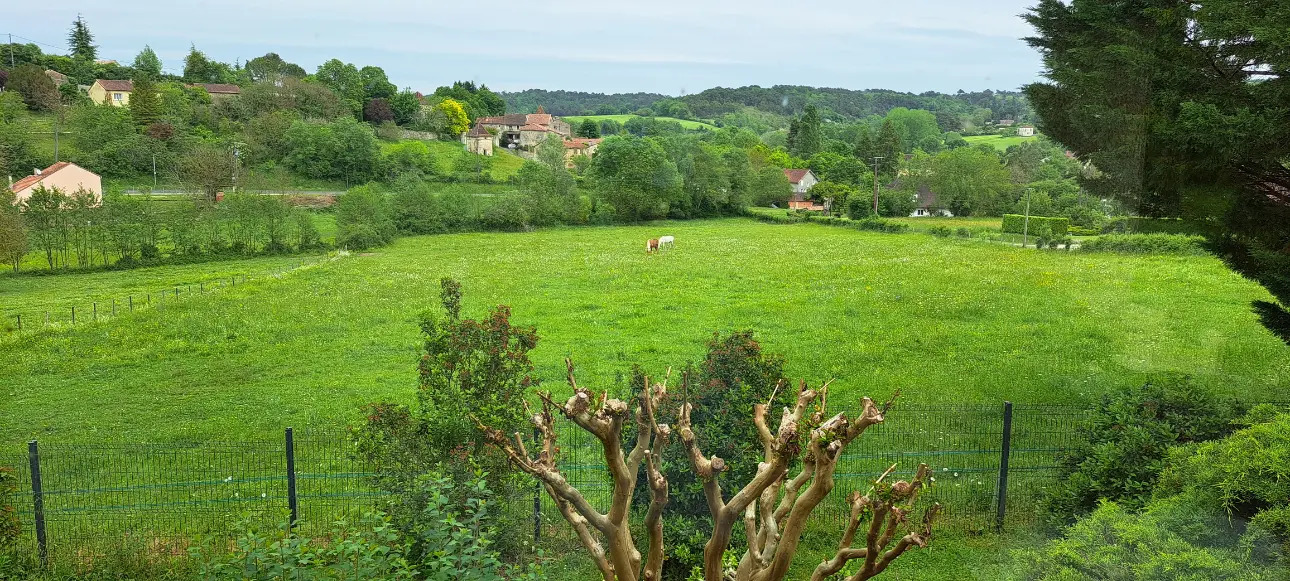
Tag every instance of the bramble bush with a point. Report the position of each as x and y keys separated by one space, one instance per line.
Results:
x=1124 y=443
x=370 y=548
x=10 y=525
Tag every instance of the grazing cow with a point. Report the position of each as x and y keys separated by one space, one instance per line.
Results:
x=651 y=245
x=666 y=241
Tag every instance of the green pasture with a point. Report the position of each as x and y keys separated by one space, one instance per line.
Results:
x=999 y=142
x=686 y=123
x=941 y=320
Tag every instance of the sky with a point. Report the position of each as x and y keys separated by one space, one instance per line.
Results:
x=671 y=47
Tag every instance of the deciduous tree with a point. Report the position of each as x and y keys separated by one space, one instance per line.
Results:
x=37 y=89
x=588 y=128
x=209 y=168
x=147 y=63
x=773 y=506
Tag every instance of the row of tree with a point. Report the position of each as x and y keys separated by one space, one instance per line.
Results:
x=74 y=230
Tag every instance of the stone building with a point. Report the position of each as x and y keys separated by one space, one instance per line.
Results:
x=478 y=141
x=522 y=132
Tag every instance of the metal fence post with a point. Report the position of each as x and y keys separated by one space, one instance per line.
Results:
x=291 y=478
x=131 y=303
x=96 y=310
x=73 y=315
x=537 y=498
x=113 y=307
x=1004 y=454
x=19 y=322
x=38 y=501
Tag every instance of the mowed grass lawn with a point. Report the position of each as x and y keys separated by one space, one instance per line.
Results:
x=999 y=142
x=942 y=320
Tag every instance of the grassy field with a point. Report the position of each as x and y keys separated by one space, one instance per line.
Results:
x=939 y=319
x=686 y=123
x=999 y=142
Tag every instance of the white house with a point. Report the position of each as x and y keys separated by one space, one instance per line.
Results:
x=1026 y=131
x=802 y=181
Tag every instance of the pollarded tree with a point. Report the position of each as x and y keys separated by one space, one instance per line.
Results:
x=773 y=507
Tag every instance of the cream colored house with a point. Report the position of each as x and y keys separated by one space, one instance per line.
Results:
x=66 y=177
x=579 y=146
x=1026 y=131
x=112 y=92
x=478 y=141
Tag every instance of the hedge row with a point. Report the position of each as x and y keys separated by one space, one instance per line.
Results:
x=871 y=224
x=1145 y=244
x=1137 y=225
x=1016 y=224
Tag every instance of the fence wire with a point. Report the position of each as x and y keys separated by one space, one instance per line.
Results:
x=157 y=500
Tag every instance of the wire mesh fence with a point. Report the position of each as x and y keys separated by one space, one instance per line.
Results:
x=157 y=500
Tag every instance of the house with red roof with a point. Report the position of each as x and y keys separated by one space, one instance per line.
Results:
x=116 y=93
x=478 y=140
x=218 y=91
x=523 y=132
x=67 y=177
x=580 y=146
x=802 y=181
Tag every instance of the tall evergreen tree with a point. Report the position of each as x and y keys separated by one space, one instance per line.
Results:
x=147 y=62
x=145 y=104
x=809 y=141
x=890 y=147
x=80 y=42
x=865 y=147
x=793 y=127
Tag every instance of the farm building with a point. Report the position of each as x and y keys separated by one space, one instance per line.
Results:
x=478 y=141
x=524 y=132
x=116 y=93
x=579 y=146
x=66 y=177
x=1026 y=131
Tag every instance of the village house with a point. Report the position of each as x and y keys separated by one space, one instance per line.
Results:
x=116 y=93
x=802 y=181
x=1026 y=131
x=928 y=205
x=218 y=91
x=66 y=177
x=579 y=146
x=523 y=132
x=478 y=140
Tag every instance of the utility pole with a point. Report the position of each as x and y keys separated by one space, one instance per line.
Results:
x=875 y=183
x=154 y=171
x=1025 y=228
x=11 y=65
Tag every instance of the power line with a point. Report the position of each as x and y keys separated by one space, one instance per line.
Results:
x=33 y=40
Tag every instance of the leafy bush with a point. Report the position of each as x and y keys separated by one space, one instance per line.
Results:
x=1244 y=474
x=368 y=549
x=1139 y=225
x=1015 y=224
x=468 y=368
x=363 y=219
x=1171 y=540
x=10 y=525
x=1082 y=231
x=875 y=224
x=963 y=232
x=1125 y=441
x=735 y=375
x=940 y=231
x=1145 y=244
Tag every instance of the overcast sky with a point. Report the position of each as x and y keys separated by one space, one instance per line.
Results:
x=664 y=46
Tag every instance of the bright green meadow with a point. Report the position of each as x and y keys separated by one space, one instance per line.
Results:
x=999 y=142
x=685 y=123
x=941 y=320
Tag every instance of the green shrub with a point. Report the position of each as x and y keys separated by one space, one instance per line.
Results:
x=940 y=231
x=368 y=549
x=363 y=219
x=1016 y=224
x=1082 y=231
x=1124 y=443
x=1145 y=244
x=1246 y=475
x=1139 y=225
x=876 y=224
x=963 y=232
x=1171 y=540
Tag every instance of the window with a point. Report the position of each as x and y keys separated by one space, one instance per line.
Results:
x=116 y=96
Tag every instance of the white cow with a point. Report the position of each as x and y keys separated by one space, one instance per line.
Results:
x=664 y=241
